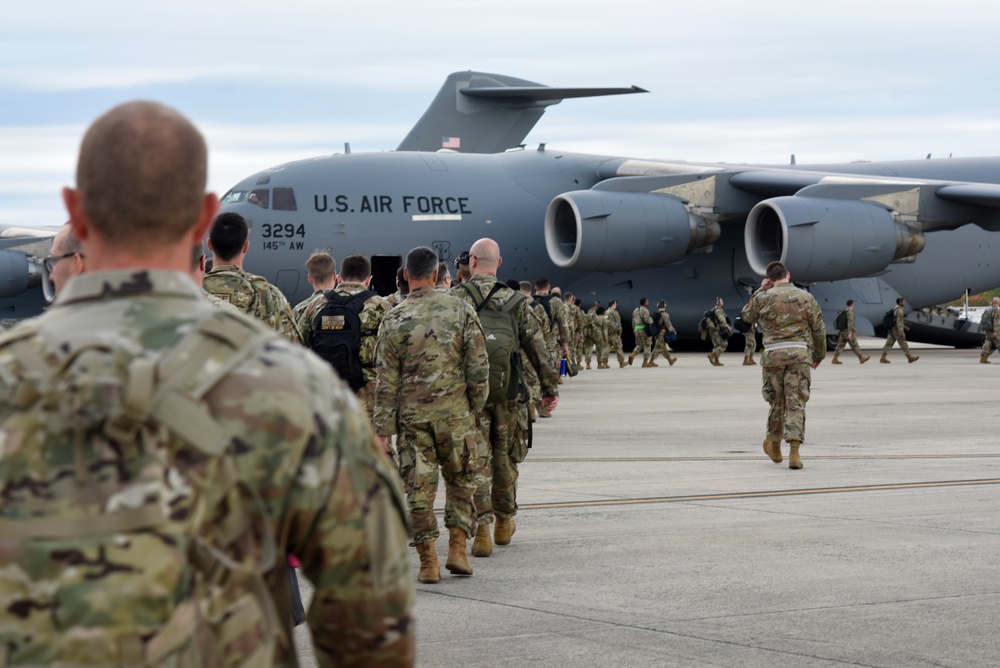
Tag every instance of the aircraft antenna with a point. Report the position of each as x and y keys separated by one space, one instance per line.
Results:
x=793 y=159
x=347 y=148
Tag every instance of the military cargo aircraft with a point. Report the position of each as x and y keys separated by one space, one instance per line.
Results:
x=622 y=228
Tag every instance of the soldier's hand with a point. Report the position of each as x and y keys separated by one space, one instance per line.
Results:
x=550 y=403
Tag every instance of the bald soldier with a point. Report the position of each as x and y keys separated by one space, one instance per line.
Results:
x=499 y=418
x=196 y=449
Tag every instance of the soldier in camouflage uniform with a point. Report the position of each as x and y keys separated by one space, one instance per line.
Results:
x=594 y=333
x=203 y=447
x=991 y=335
x=716 y=329
x=502 y=424
x=321 y=272
x=558 y=323
x=794 y=342
x=355 y=277
x=601 y=336
x=574 y=319
x=433 y=376
x=615 y=332
x=897 y=333
x=643 y=341
x=402 y=289
x=848 y=336
x=660 y=346
x=537 y=313
x=248 y=292
x=198 y=255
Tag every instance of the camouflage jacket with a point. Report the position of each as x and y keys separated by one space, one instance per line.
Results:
x=296 y=440
x=560 y=320
x=899 y=322
x=432 y=362
x=300 y=307
x=615 y=318
x=788 y=315
x=371 y=315
x=720 y=315
x=267 y=303
x=545 y=325
x=665 y=324
x=851 y=329
x=531 y=339
x=640 y=318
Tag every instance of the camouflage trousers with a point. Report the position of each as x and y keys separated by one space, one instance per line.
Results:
x=844 y=339
x=660 y=347
x=892 y=338
x=602 y=352
x=719 y=344
x=615 y=346
x=749 y=343
x=990 y=342
x=643 y=343
x=504 y=434
x=534 y=384
x=589 y=344
x=451 y=446
x=786 y=390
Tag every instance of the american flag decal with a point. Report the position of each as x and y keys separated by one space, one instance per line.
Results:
x=451 y=142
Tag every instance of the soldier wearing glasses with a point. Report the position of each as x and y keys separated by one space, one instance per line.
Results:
x=65 y=260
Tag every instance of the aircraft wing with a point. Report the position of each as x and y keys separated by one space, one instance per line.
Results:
x=824 y=225
x=476 y=112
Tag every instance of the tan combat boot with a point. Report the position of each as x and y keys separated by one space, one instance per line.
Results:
x=748 y=361
x=631 y=358
x=457 y=562
x=912 y=358
x=506 y=526
x=482 y=546
x=622 y=364
x=864 y=358
x=430 y=567
x=652 y=363
x=773 y=450
x=883 y=359
x=671 y=360
x=793 y=455
x=718 y=361
x=985 y=359
x=835 y=360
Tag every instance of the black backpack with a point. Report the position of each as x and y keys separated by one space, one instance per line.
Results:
x=545 y=300
x=840 y=322
x=657 y=325
x=889 y=320
x=337 y=335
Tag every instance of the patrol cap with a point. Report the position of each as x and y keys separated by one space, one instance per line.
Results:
x=463 y=258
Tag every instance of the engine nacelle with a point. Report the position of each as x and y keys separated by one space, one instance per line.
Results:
x=17 y=274
x=827 y=239
x=602 y=230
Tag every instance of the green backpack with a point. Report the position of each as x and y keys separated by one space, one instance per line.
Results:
x=126 y=536
x=502 y=343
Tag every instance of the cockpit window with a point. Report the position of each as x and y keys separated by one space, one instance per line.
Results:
x=261 y=197
x=284 y=199
x=234 y=197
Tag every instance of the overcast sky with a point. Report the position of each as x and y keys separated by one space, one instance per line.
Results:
x=731 y=81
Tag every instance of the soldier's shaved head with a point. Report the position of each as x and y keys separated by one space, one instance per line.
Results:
x=421 y=263
x=776 y=271
x=141 y=175
x=484 y=257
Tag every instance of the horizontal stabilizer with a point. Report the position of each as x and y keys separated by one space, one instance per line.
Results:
x=476 y=112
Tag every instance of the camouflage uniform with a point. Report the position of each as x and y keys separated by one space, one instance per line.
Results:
x=374 y=309
x=660 y=346
x=267 y=304
x=643 y=341
x=292 y=437
x=562 y=325
x=601 y=339
x=218 y=302
x=503 y=426
x=530 y=373
x=615 y=335
x=848 y=336
x=715 y=329
x=433 y=377
x=991 y=338
x=301 y=306
x=592 y=335
x=794 y=340
x=897 y=333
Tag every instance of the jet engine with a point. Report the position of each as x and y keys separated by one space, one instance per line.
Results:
x=603 y=230
x=17 y=274
x=827 y=239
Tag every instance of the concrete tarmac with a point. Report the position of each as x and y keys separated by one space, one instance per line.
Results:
x=653 y=530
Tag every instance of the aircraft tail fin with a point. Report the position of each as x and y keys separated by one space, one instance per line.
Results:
x=476 y=112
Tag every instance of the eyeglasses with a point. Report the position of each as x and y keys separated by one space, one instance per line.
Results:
x=49 y=263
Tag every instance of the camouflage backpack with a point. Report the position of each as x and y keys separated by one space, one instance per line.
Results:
x=125 y=537
x=986 y=321
x=502 y=342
